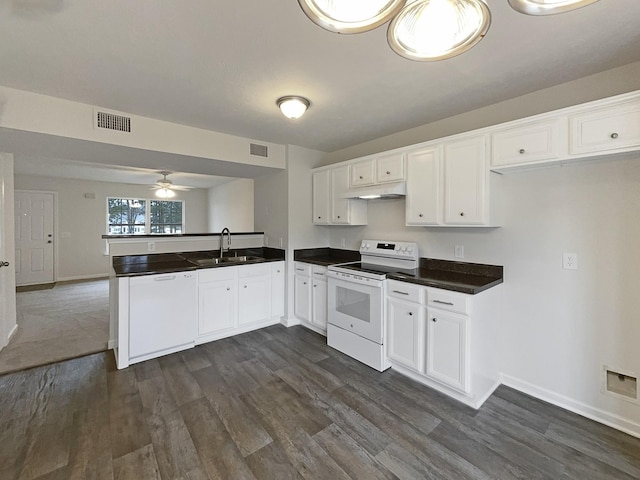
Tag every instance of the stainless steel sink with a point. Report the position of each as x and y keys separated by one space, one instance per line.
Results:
x=210 y=262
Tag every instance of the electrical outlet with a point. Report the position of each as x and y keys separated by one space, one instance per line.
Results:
x=570 y=261
x=459 y=251
x=151 y=246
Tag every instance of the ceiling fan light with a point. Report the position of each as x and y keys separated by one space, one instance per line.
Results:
x=350 y=16
x=547 y=7
x=428 y=30
x=165 y=193
x=292 y=106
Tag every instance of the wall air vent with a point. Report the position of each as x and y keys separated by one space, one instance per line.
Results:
x=111 y=121
x=621 y=384
x=259 y=150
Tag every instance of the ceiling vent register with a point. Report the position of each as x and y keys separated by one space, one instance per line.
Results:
x=259 y=150
x=111 y=121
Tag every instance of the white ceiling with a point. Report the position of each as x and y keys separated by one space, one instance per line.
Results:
x=221 y=65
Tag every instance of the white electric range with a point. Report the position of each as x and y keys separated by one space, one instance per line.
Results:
x=356 y=294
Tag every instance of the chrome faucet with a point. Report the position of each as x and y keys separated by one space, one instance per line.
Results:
x=225 y=230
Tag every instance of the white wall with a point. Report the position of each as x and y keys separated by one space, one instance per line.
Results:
x=231 y=206
x=560 y=326
x=8 y=324
x=80 y=254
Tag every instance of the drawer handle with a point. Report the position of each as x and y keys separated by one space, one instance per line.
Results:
x=298 y=270
x=318 y=273
x=443 y=303
x=401 y=293
x=164 y=279
x=521 y=151
x=614 y=135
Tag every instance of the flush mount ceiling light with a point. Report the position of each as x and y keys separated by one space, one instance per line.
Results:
x=293 y=106
x=548 y=7
x=430 y=30
x=350 y=16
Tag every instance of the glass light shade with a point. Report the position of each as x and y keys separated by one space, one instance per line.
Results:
x=547 y=7
x=430 y=30
x=165 y=193
x=293 y=107
x=350 y=16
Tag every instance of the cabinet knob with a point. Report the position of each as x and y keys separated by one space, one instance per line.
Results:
x=434 y=319
x=361 y=177
x=338 y=216
x=228 y=288
x=304 y=283
x=411 y=314
x=420 y=215
x=314 y=286
x=278 y=271
x=462 y=214
x=245 y=286
x=388 y=172
x=614 y=135
x=319 y=218
x=521 y=151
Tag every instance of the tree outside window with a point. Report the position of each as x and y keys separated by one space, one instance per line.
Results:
x=136 y=216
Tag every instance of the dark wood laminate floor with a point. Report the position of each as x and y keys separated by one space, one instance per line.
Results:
x=279 y=404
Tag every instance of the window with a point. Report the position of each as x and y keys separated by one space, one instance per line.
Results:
x=138 y=216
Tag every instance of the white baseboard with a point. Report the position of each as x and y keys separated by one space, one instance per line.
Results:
x=83 y=277
x=592 y=413
x=289 y=322
x=112 y=344
x=13 y=331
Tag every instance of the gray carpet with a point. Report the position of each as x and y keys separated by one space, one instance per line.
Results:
x=66 y=321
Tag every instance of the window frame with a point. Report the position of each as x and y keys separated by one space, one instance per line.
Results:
x=147 y=215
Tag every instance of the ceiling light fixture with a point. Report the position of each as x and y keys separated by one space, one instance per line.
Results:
x=293 y=106
x=351 y=16
x=547 y=7
x=428 y=30
x=165 y=193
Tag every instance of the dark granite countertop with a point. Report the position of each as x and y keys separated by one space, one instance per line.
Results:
x=326 y=256
x=462 y=277
x=135 y=265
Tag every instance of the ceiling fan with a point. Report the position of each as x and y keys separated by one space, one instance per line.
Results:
x=165 y=188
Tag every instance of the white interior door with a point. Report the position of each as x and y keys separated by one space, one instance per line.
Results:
x=34 y=237
x=7 y=270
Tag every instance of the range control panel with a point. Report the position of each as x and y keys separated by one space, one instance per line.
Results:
x=382 y=248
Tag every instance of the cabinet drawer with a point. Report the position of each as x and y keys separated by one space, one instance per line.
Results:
x=254 y=270
x=608 y=128
x=319 y=272
x=216 y=274
x=406 y=291
x=362 y=173
x=390 y=168
x=529 y=143
x=447 y=300
x=303 y=269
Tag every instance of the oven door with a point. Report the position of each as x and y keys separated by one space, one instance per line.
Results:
x=356 y=305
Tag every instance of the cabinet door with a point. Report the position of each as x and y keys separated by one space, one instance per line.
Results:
x=319 y=301
x=424 y=194
x=217 y=302
x=447 y=349
x=465 y=176
x=608 y=128
x=321 y=197
x=362 y=173
x=277 y=289
x=254 y=299
x=404 y=333
x=339 y=185
x=532 y=142
x=302 y=298
x=390 y=168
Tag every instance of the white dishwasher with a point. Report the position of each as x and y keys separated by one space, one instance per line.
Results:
x=163 y=314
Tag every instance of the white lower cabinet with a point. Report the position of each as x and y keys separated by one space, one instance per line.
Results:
x=405 y=325
x=277 y=289
x=447 y=348
x=310 y=292
x=254 y=293
x=217 y=300
x=444 y=339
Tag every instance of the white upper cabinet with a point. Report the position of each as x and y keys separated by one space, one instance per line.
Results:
x=383 y=169
x=424 y=187
x=339 y=185
x=390 y=168
x=465 y=186
x=321 y=197
x=610 y=128
x=363 y=173
x=530 y=142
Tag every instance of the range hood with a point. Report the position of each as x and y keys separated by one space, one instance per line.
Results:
x=386 y=190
